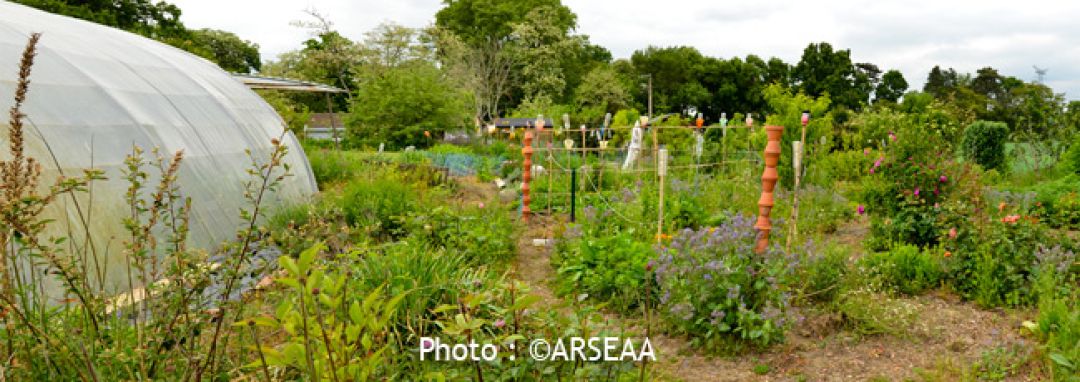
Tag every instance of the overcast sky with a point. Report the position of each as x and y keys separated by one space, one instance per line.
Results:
x=911 y=35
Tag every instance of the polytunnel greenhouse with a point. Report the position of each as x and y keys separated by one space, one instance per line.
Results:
x=97 y=92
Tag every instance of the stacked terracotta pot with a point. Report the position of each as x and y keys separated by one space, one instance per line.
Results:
x=768 y=184
x=526 y=175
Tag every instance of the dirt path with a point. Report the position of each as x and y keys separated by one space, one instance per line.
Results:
x=533 y=264
x=946 y=339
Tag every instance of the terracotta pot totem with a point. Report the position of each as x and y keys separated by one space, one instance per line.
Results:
x=768 y=184
x=526 y=175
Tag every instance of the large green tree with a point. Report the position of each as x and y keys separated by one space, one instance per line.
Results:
x=892 y=87
x=479 y=22
x=161 y=21
x=505 y=52
x=600 y=92
x=674 y=72
x=684 y=79
x=226 y=49
x=156 y=20
x=398 y=106
x=326 y=57
x=823 y=70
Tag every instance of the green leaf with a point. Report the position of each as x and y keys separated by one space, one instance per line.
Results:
x=314 y=281
x=290 y=282
x=1062 y=360
x=369 y=301
x=355 y=313
x=444 y=308
x=288 y=264
x=307 y=257
x=525 y=302
x=265 y=321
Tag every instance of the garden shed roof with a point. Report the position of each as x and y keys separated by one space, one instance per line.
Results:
x=519 y=122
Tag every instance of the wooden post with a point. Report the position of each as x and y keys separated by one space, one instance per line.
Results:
x=603 y=163
x=768 y=184
x=526 y=172
x=661 y=171
x=749 y=134
x=584 y=152
x=797 y=155
x=603 y=148
x=573 y=194
x=550 y=170
x=333 y=126
x=723 y=140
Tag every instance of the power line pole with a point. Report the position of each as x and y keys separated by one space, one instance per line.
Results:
x=1040 y=73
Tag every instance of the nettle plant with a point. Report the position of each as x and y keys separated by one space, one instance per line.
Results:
x=714 y=288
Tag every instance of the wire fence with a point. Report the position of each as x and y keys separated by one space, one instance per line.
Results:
x=563 y=171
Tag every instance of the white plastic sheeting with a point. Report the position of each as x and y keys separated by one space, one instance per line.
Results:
x=96 y=92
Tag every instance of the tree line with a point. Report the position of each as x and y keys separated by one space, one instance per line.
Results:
x=160 y=21
x=481 y=60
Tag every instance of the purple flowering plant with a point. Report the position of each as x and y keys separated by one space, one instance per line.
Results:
x=714 y=288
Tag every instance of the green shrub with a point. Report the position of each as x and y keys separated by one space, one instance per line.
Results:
x=821 y=275
x=913 y=194
x=401 y=105
x=1058 y=201
x=845 y=166
x=1071 y=158
x=984 y=143
x=317 y=296
x=716 y=290
x=484 y=235
x=1057 y=274
x=1059 y=327
x=997 y=270
x=330 y=167
x=683 y=208
x=905 y=269
x=379 y=205
x=610 y=268
x=429 y=278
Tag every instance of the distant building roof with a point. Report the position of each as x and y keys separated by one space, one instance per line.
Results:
x=324 y=119
x=519 y=122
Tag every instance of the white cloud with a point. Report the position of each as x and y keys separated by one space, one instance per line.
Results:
x=911 y=36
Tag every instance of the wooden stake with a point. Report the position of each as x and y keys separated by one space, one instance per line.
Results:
x=583 y=151
x=550 y=170
x=797 y=156
x=796 y=153
x=661 y=170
